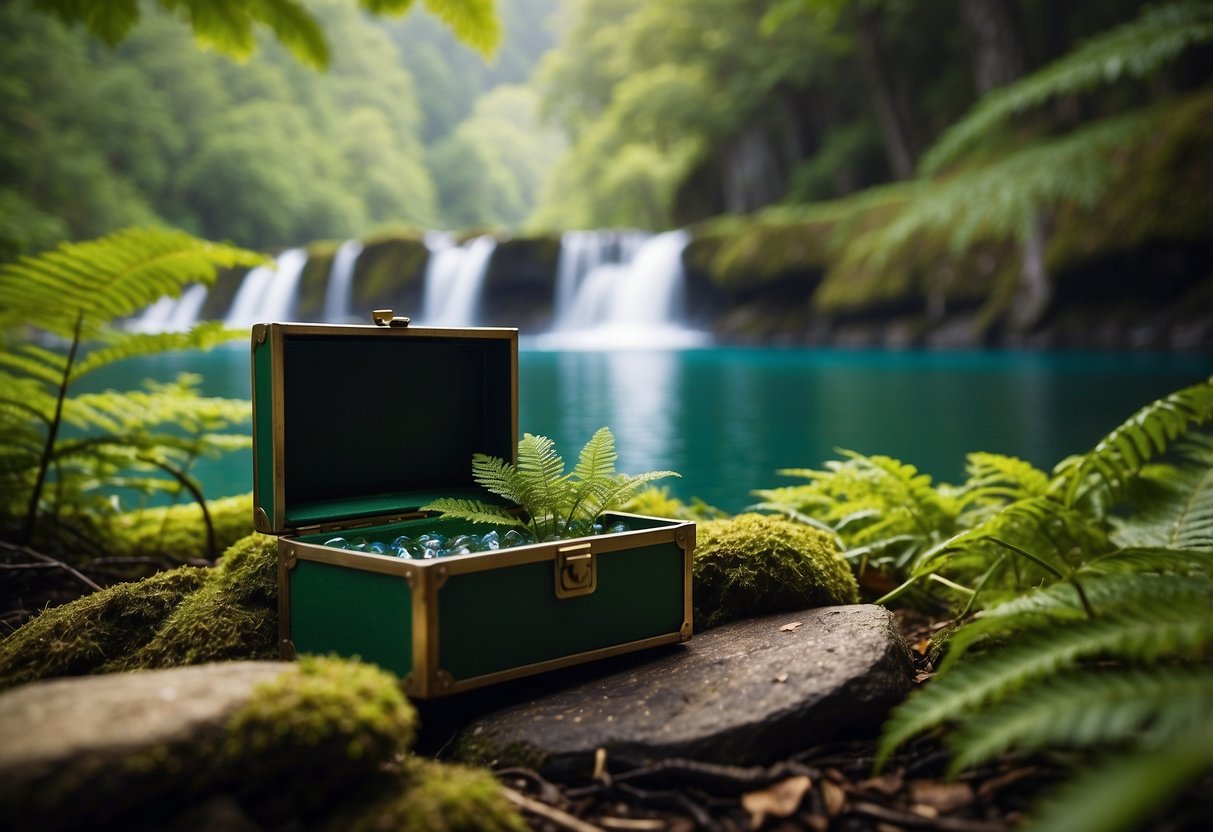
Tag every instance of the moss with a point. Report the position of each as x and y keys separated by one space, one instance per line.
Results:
x=180 y=617
x=754 y=564
x=178 y=532
x=389 y=274
x=233 y=616
x=439 y=798
x=326 y=722
x=81 y=637
x=313 y=280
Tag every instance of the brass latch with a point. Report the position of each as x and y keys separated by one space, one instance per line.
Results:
x=576 y=571
x=385 y=317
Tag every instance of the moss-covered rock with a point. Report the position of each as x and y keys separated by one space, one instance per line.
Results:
x=234 y=615
x=80 y=637
x=390 y=273
x=754 y=564
x=438 y=798
x=183 y=616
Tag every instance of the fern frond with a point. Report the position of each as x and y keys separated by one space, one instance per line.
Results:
x=35 y=362
x=999 y=477
x=496 y=476
x=1087 y=710
x=1059 y=603
x=1175 y=630
x=108 y=278
x=1123 y=791
x=1136 y=560
x=1133 y=50
x=1171 y=504
x=540 y=475
x=473 y=511
x=1003 y=198
x=1113 y=463
x=594 y=474
x=626 y=487
x=119 y=346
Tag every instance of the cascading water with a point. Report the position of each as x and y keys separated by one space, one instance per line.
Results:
x=268 y=293
x=454 y=277
x=634 y=302
x=341 y=280
x=172 y=314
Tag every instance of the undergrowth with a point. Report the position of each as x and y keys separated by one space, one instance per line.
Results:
x=1084 y=601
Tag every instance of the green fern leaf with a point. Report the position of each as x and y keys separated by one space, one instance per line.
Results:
x=107 y=279
x=36 y=362
x=1175 y=630
x=1087 y=710
x=473 y=511
x=1171 y=505
x=541 y=477
x=1123 y=791
x=1133 y=50
x=999 y=477
x=119 y=346
x=1118 y=458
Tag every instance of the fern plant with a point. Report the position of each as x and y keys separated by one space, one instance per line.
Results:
x=57 y=321
x=1107 y=655
x=553 y=504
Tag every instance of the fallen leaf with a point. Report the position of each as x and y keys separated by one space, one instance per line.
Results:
x=779 y=800
x=787 y=628
x=833 y=797
x=887 y=784
x=922 y=646
x=782 y=677
x=943 y=797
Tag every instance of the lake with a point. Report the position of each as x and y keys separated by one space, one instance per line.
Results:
x=728 y=418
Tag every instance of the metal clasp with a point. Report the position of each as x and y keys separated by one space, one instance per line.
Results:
x=576 y=571
x=385 y=317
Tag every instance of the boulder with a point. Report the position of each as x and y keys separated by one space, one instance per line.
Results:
x=746 y=693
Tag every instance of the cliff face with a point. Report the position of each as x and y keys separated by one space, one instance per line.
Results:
x=1132 y=268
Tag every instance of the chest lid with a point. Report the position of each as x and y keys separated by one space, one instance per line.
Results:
x=370 y=421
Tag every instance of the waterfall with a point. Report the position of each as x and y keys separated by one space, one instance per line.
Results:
x=583 y=252
x=454 y=277
x=171 y=314
x=341 y=279
x=633 y=300
x=268 y=293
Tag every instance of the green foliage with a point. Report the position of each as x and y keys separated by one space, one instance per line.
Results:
x=1133 y=50
x=754 y=564
x=1095 y=595
x=181 y=616
x=228 y=25
x=77 y=292
x=552 y=502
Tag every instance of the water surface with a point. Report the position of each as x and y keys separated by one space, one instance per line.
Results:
x=728 y=418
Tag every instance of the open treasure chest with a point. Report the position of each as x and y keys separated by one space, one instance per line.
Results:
x=354 y=429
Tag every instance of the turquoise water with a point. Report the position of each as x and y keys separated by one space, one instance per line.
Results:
x=727 y=419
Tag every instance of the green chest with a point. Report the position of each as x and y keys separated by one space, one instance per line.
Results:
x=355 y=428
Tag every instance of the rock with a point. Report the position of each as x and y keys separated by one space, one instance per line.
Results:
x=65 y=736
x=746 y=693
x=281 y=740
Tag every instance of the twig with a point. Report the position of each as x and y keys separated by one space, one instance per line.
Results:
x=50 y=562
x=549 y=813
x=883 y=813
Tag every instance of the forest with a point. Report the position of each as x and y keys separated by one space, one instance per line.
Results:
x=1003 y=157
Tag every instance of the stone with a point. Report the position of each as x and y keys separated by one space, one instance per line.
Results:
x=65 y=736
x=746 y=693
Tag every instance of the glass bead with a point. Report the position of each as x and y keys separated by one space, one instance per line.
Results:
x=616 y=528
x=358 y=544
x=490 y=542
x=337 y=543
x=377 y=548
x=515 y=538
x=599 y=528
x=403 y=546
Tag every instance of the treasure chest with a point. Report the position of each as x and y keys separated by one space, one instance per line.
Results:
x=357 y=427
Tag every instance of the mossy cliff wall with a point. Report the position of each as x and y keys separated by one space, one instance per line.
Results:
x=1133 y=269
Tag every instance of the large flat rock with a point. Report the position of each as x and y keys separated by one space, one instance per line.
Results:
x=746 y=693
